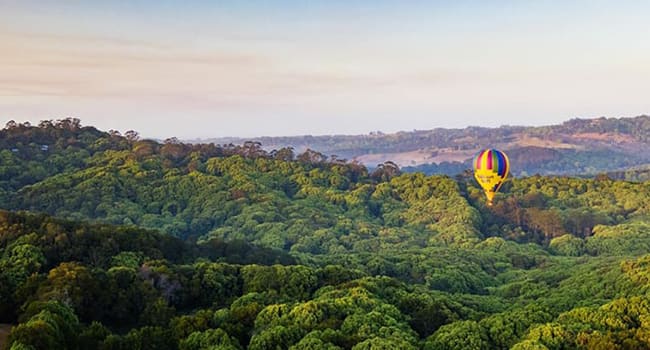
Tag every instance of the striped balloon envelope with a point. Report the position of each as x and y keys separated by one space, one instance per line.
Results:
x=491 y=168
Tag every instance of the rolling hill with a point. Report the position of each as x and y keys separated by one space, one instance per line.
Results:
x=115 y=242
x=578 y=146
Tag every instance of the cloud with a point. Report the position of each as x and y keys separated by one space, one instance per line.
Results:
x=69 y=65
x=81 y=40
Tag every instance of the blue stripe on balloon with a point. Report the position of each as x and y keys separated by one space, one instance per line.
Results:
x=501 y=160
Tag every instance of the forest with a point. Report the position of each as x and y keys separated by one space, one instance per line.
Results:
x=111 y=241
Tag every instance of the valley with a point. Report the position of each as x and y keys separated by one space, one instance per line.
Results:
x=116 y=242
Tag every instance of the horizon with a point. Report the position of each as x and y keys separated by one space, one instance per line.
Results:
x=236 y=137
x=418 y=130
x=288 y=68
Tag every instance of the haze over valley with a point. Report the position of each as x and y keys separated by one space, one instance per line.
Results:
x=574 y=147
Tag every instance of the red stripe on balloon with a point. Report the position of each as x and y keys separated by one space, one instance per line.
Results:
x=479 y=159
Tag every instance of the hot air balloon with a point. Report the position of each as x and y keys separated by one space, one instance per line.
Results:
x=491 y=168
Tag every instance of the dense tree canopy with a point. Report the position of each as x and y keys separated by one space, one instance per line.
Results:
x=114 y=242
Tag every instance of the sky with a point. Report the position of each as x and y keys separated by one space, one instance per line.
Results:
x=201 y=69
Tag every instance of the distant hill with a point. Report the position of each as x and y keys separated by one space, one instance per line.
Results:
x=578 y=146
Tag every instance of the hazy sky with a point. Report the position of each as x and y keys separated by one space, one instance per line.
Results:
x=250 y=68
